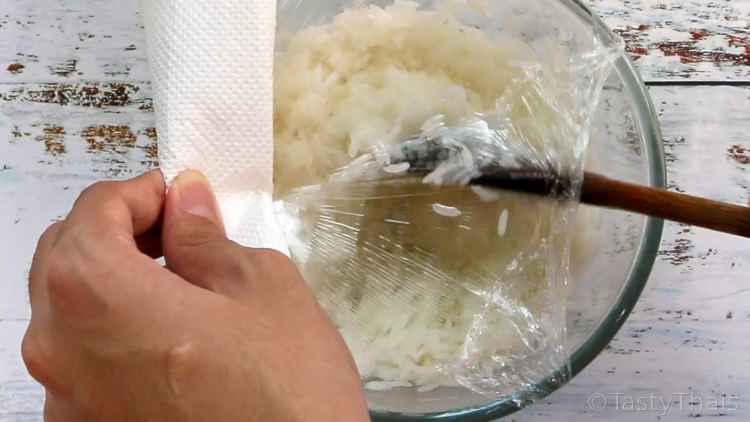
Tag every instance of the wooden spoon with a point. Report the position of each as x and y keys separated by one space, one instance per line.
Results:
x=602 y=191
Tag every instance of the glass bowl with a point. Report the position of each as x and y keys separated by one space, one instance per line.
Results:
x=622 y=247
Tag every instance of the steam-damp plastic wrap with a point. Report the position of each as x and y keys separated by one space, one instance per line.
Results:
x=432 y=282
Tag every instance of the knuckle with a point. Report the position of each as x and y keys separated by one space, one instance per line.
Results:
x=36 y=360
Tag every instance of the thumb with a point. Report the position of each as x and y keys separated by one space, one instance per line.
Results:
x=193 y=239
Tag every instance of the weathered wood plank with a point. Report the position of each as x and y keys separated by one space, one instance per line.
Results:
x=55 y=140
x=104 y=120
x=683 y=39
x=687 y=338
x=94 y=40
x=71 y=40
x=115 y=96
x=19 y=399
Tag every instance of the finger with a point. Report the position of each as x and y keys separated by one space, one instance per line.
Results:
x=94 y=266
x=197 y=249
x=194 y=241
x=120 y=210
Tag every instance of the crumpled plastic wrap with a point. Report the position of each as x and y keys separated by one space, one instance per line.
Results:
x=434 y=283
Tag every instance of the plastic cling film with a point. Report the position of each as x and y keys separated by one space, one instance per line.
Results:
x=432 y=283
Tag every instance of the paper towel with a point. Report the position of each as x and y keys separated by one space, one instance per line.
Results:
x=212 y=65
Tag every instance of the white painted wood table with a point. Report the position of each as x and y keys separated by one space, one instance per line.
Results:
x=75 y=107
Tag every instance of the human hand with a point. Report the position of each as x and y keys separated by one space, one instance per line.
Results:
x=224 y=333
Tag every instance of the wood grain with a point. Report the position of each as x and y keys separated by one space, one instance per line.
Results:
x=673 y=206
x=91 y=40
x=70 y=41
x=19 y=399
x=673 y=40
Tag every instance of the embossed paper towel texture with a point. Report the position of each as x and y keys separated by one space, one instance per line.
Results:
x=212 y=65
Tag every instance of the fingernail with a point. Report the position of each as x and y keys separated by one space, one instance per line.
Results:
x=192 y=194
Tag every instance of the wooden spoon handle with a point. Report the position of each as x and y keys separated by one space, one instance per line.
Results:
x=602 y=191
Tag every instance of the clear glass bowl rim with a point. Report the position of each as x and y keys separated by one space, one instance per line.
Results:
x=641 y=270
